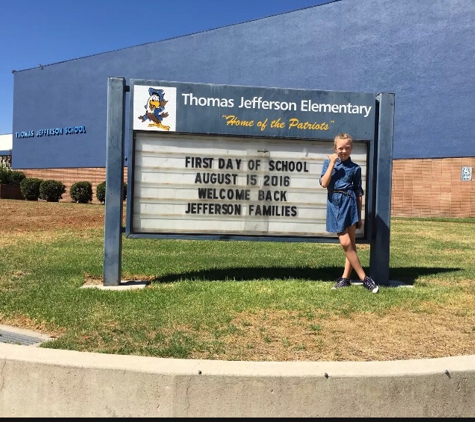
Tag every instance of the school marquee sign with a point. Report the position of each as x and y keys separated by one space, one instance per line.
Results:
x=224 y=162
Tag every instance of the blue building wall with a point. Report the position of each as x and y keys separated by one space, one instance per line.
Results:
x=423 y=51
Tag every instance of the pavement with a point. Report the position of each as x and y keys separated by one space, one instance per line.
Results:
x=20 y=336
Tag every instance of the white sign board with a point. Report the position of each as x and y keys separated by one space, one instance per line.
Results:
x=205 y=185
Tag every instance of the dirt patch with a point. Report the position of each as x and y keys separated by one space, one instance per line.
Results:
x=33 y=216
x=402 y=335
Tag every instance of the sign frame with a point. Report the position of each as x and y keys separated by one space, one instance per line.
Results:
x=250 y=113
x=376 y=133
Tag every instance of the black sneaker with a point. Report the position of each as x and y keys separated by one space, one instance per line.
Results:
x=341 y=282
x=369 y=283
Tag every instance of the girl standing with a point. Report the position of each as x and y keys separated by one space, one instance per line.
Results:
x=342 y=178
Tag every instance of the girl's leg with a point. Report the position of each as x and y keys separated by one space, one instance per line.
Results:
x=348 y=242
x=347 y=270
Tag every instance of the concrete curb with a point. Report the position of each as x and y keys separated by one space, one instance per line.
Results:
x=38 y=382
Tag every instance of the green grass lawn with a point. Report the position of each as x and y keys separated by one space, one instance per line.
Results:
x=243 y=300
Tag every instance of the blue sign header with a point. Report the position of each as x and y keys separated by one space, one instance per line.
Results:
x=251 y=111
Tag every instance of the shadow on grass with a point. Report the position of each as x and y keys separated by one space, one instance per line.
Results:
x=405 y=275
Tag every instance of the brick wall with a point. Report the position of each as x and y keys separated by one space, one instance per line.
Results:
x=420 y=187
x=432 y=188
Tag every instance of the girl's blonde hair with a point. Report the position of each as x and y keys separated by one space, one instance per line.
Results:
x=344 y=136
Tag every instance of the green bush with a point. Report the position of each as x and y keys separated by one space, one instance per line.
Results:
x=101 y=192
x=16 y=177
x=52 y=190
x=3 y=174
x=10 y=177
x=30 y=188
x=81 y=192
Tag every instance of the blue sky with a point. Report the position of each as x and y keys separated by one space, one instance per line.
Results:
x=34 y=32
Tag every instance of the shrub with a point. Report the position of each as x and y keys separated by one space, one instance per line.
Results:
x=3 y=175
x=30 y=188
x=81 y=192
x=101 y=192
x=10 y=177
x=52 y=190
x=16 y=177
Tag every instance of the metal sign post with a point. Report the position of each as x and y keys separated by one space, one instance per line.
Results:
x=380 y=238
x=114 y=181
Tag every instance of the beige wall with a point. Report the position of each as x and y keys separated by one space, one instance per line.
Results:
x=6 y=141
x=420 y=187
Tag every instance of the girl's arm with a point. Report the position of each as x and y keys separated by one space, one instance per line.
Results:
x=360 y=205
x=357 y=182
x=327 y=177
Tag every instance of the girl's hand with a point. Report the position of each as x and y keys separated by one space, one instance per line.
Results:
x=333 y=158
